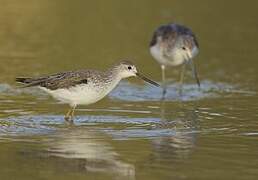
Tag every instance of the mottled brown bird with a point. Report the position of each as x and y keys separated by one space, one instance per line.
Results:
x=83 y=87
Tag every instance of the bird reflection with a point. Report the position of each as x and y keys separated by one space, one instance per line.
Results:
x=184 y=124
x=81 y=143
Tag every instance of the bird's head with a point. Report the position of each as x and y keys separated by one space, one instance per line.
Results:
x=186 y=47
x=127 y=69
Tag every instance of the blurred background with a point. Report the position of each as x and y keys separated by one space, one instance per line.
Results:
x=208 y=134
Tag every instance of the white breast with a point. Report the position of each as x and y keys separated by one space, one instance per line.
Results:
x=156 y=52
x=81 y=94
x=172 y=58
x=175 y=57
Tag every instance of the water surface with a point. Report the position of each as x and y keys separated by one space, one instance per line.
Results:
x=209 y=133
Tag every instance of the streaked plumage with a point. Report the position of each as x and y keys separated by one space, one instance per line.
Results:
x=83 y=86
x=174 y=45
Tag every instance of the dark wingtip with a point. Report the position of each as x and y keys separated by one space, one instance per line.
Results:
x=21 y=79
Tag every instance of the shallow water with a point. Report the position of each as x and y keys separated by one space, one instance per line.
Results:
x=209 y=133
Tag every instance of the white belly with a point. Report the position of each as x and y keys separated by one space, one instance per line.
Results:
x=78 y=95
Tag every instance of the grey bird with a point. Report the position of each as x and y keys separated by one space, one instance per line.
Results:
x=174 y=45
x=83 y=87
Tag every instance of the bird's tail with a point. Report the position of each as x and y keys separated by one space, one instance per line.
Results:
x=29 y=82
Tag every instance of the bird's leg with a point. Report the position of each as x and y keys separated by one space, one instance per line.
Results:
x=181 y=81
x=68 y=115
x=72 y=113
x=164 y=87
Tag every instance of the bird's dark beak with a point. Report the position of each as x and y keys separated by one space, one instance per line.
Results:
x=194 y=72
x=147 y=79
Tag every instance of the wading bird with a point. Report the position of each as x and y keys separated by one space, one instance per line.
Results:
x=174 y=45
x=83 y=87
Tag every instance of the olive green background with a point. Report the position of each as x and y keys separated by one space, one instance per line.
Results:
x=131 y=134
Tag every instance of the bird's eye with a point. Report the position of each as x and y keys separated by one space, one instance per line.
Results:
x=183 y=48
x=129 y=67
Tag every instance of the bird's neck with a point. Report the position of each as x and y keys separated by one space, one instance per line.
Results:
x=114 y=73
x=113 y=77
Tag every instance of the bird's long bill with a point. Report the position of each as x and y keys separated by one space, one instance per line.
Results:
x=194 y=71
x=147 y=79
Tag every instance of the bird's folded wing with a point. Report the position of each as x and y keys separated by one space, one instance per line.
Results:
x=59 y=80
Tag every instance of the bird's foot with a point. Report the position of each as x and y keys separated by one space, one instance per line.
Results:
x=68 y=119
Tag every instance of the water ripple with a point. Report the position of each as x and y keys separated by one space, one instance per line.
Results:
x=128 y=92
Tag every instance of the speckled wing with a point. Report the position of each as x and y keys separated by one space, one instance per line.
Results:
x=59 y=80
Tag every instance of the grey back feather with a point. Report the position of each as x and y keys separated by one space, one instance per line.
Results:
x=63 y=79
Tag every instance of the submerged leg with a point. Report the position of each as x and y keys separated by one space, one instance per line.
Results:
x=68 y=115
x=181 y=81
x=164 y=87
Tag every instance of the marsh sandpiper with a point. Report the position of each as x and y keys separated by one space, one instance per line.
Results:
x=174 y=45
x=83 y=87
